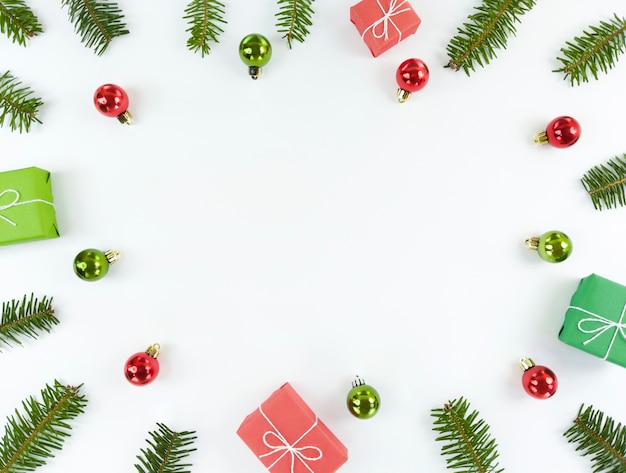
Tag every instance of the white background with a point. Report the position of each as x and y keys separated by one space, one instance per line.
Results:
x=306 y=227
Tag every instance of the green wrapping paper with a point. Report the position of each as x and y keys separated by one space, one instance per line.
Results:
x=595 y=321
x=26 y=206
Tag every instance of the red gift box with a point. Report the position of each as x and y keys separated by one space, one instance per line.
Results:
x=384 y=23
x=286 y=435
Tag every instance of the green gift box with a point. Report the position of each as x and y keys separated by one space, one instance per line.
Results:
x=26 y=206
x=594 y=321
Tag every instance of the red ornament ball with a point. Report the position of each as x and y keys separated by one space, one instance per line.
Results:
x=111 y=100
x=539 y=381
x=563 y=132
x=412 y=75
x=141 y=369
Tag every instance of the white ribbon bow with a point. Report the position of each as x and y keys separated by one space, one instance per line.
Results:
x=385 y=20
x=16 y=202
x=286 y=448
x=600 y=325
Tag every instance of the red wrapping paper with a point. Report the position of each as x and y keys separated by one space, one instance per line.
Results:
x=286 y=435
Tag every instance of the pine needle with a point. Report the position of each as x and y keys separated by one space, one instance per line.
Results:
x=97 y=22
x=31 y=436
x=18 y=105
x=203 y=17
x=293 y=19
x=598 y=435
x=606 y=184
x=18 y=21
x=486 y=31
x=469 y=446
x=27 y=317
x=598 y=49
x=167 y=449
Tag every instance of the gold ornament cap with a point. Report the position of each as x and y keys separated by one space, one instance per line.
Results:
x=403 y=95
x=532 y=243
x=125 y=118
x=526 y=363
x=154 y=350
x=541 y=138
x=112 y=256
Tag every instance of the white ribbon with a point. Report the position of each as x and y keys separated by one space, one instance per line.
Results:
x=603 y=324
x=385 y=20
x=286 y=448
x=15 y=203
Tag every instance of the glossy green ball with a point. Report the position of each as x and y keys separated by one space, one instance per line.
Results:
x=554 y=246
x=255 y=50
x=363 y=401
x=91 y=265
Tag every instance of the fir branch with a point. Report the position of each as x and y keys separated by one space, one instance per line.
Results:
x=293 y=19
x=597 y=435
x=18 y=21
x=25 y=318
x=167 y=449
x=203 y=17
x=97 y=22
x=598 y=49
x=31 y=436
x=17 y=104
x=487 y=30
x=606 y=184
x=469 y=446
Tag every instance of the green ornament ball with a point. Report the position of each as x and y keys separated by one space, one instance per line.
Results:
x=255 y=51
x=554 y=246
x=363 y=401
x=92 y=264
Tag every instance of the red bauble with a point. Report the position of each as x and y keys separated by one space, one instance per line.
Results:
x=562 y=132
x=112 y=101
x=142 y=368
x=412 y=75
x=538 y=381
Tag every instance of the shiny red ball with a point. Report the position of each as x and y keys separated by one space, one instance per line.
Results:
x=563 y=132
x=540 y=382
x=111 y=100
x=141 y=369
x=412 y=75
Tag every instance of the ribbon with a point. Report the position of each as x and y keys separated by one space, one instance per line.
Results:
x=600 y=325
x=385 y=20
x=16 y=202
x=289 y=448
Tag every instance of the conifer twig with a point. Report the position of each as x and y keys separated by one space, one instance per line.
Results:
x=203 y=17
x=293 y=19
x=468 y=444
x=597 y=49
x=27 y=317
x=599 y=436
x=486 y=31
x=606 y=184
x=18 y=104
x=18 y=21
x=167 y=449
x=31 y=436
x=97 y=22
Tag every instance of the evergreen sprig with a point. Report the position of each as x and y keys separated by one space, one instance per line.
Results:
x=31 y=436
x=25 y=318
x=18 y=104
x=599 y=436
x=293 y=19
x=598 y=49
x=606 y=184
x=18 y=21
x=167 y=449
x=203 y=17
x=97 y=22
x=486 y=31
x=469 y=446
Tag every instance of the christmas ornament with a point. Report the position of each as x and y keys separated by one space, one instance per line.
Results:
x=142 y=368
x=538 y=381
x=363 y=400
x=166 y=450
x=606 y=184
x=25 y=318
x=18 y=104
x=412 y=75
x=112 y=101
x=92 y=264
x=255 y=51
x=553 y=246
x=562 y=132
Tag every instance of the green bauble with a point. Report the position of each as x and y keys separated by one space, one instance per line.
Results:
x=255 y=51
x=363 y=401
x=554 y=246
x=92 y=265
